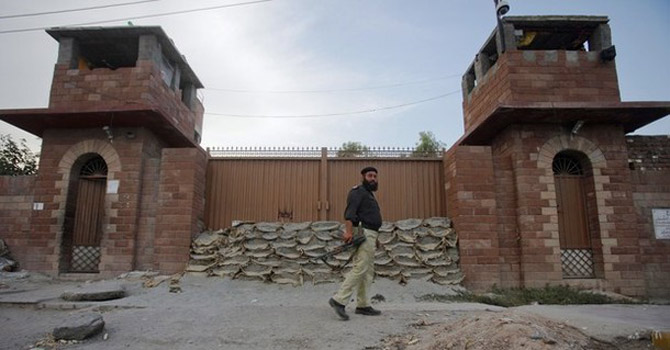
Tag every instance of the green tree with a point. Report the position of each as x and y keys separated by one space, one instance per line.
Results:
x=352 y=149
x=16 y=159
x=428 y=145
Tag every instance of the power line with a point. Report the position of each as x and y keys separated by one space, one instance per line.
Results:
x=75 y=10
x=337 y=90
x=139 y=17
x=333 y=114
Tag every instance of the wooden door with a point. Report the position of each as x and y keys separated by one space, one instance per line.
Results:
x=572 y=217
x=87 y=230
x=573 y=227
x=89 y=212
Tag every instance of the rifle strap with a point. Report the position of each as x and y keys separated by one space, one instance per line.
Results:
x=333 y=267
x=361 y=239
x=357 y=241
x=340 y=267
x=349 y=260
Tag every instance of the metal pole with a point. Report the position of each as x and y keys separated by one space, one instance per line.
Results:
x=501 y=34
x=500 y=27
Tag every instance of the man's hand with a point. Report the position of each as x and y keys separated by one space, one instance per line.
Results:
x=348 y=236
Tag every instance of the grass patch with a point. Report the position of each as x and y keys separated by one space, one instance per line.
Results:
x=549 y=295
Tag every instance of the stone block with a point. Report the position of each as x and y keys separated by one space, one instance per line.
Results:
x=79 y=327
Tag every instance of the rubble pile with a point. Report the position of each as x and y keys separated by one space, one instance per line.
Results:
x=498 y=330
x=288 y=253
x=6 y=261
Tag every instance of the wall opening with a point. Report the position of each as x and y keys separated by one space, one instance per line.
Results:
x=84 y=213
x=565 y=33
x=575 y=201
x=111 y=54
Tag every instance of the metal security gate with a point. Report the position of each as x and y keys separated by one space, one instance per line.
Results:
x=87 y=231
x=575 y=242
x=303 y=185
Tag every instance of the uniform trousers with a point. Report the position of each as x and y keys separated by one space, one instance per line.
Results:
x=361 y=275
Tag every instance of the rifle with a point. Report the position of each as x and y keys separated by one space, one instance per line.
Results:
x=357 y=241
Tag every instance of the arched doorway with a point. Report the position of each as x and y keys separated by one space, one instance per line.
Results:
x=573 y=219
x=84 y=213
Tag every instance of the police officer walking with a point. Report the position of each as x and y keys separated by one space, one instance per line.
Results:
x=362 y=210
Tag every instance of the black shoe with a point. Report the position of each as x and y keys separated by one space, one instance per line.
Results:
x=339 y=309
x=368 y=311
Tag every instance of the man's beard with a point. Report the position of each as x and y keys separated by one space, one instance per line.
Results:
x=370 y=186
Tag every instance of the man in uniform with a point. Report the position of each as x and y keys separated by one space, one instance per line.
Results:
x=362 y=210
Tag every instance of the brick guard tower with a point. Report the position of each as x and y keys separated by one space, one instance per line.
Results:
x=121 y=173
x=539 y=187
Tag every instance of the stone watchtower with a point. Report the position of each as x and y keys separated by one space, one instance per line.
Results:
x=121 y=173
x=539 y=186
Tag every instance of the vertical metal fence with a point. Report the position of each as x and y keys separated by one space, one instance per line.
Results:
x=297 y=185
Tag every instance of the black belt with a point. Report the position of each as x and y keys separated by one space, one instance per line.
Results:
x=369 y=227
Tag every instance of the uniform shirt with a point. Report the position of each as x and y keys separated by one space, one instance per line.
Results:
x=362 y=208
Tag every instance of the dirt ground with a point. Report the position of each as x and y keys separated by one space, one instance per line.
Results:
x=509 y=329
x=215 y=313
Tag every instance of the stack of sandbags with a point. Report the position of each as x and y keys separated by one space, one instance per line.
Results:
x=414 y=248
x=204 y=251
x=287 y=252
x=281 y=253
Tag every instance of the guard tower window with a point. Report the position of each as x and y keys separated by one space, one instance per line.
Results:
x=167 y=71
x=553 y=39
x=567 y=33
x=107 y=53
x=490 y=53
x=484 y=61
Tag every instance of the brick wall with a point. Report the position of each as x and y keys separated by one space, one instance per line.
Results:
x=147 y=224
x=131 y=87
x=180 y=206
x=16 y=200
x=128 y=239
x=471 y=204
x=502 y=199
x=648 y=152
x=60 y=151
x=127 y=159
x=651 y=189
x=491 y=90
x=509 y=239
x=151 y=162
x=542 y=76
x=608 y=190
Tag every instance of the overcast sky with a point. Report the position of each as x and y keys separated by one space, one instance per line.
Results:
x=289 y=59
